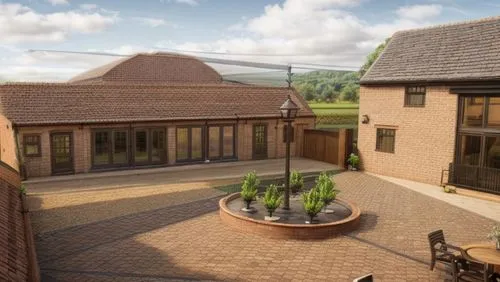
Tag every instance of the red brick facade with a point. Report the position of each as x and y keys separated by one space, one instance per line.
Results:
x=425 y=136
x=82 y=141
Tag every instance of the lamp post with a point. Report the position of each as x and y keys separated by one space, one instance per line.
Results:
x=288 y=113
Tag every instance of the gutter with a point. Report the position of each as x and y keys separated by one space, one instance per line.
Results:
x=68 y=123
x=443 y=82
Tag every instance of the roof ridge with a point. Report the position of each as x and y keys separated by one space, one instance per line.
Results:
x=444 y=25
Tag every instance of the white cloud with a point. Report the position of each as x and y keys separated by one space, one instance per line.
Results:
x=88 y=6
x=188 y=2
x=419 y=12
x=316 y=31
x=22 y=24
x=58 y=2
x=152 y=22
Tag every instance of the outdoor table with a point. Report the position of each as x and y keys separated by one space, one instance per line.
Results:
x=485 y=253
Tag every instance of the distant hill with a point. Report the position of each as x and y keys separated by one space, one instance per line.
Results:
x=315 y=86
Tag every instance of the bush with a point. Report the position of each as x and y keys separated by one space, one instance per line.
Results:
x=249 y=188
x=353 y=160
x=312 y=203
x=296 y=181
x=326 y=188
x=22 y=189
x=272 y=199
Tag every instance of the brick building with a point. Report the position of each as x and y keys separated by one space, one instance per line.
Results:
x=144 y=111
x=430 y=105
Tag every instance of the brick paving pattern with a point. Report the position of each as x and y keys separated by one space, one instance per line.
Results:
x=188 y=242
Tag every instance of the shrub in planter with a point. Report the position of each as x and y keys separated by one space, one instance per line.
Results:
x=353 y=161
x=495 y=235
x=272 y=199
x=249 y=188
x=326 y=189
x=312 y=203
x=296 y=182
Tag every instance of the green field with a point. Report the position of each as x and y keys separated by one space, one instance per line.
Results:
x=333 y=106
x=337 y=115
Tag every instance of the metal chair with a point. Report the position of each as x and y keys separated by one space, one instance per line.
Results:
x=441 y=251
x=467 y=269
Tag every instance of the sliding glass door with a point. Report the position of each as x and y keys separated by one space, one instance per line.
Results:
x=110 y=147
x=477 y=161
x=221 y=142
x=124 y=147
x=212 y=142
x=189 y=144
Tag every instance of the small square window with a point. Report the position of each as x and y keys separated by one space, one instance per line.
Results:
x=415 y=96
x=32 y=147
x=292 y=134
x=386 y=139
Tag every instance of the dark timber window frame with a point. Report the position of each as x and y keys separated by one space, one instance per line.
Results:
x=381 y=134
x=130 y=145
x=110 y=144
x=415 y=90
x=221 y=142
x=482 y=131
x=149 y=146
x=37 y=143
x=189 y=158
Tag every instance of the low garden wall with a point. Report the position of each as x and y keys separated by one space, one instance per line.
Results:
x=289 y=231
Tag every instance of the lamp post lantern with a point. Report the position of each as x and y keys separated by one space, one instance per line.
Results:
x=288 y=113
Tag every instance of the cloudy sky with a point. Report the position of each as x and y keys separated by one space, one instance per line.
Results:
x=334 y=32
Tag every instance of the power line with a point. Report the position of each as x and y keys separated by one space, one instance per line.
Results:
x=282 y=67
x=238 y=54
x=255 y=73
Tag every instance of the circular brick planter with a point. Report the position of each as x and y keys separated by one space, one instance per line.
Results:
x=278 y=230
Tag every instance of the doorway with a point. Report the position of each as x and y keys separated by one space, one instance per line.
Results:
x=259 y=141
x=61 y=145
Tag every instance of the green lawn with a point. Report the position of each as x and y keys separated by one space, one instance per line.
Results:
x=333 y=106
x=343 y=115
x=341 y=109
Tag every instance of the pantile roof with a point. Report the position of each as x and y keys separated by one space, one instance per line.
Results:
x=62 y=103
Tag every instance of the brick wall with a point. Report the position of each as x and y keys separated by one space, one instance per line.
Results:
x=8 y=152
x=425 y=136
x=82 y=138
x=18 y=261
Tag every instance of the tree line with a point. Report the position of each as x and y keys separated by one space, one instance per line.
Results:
x=335 y=86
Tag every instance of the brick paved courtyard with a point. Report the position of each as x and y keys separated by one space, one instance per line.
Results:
x=187 y=241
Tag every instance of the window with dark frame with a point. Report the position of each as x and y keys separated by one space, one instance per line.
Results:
x=415 y=96
x=386 y=139
x=292 y=134
x=32 y=146
x=478 y=143
x=221 y=142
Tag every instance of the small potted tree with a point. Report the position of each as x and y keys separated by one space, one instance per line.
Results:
x=296 y=182
x=272 y=200
x=249 y=190
x=326 y=190
x=312 y=204
x=353 y=162
x=495 y=235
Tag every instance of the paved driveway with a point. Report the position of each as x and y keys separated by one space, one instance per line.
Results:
x=187 y=241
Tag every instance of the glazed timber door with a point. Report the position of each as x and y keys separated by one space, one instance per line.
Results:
x=61 y=145
x=259 y=142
